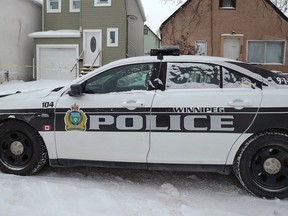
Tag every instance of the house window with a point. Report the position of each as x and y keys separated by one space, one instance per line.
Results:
x=74 y=5
x=266 y=52
x=201 y=48
x=145 y=31
x=102 y=3
x=227 y=4
x=112 y=37
x=53 y=6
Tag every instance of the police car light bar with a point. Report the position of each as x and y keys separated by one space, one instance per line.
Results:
x=164 y=51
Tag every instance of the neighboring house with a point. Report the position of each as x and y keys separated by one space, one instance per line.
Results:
x=151 y=40
x=18 y=18
x=254 y=31
x=87 y=34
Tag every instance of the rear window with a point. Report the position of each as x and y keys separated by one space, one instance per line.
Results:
x=266 y=74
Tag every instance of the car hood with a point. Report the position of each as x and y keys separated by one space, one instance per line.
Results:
x=28 y=94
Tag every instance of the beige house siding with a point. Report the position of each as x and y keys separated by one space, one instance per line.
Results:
x=205 y=21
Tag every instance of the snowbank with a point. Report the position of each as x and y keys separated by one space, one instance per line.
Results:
x=93 y=191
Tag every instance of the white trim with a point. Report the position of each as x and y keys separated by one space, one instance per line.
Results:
x=97 y=3
x=51 y=46
x=232 y=35
x=264 y=63
x=73 y=10
x=227 y=8
x=56 y=34
x=109 y=43
x=49 y=10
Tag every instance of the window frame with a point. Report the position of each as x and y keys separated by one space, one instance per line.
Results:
x=227 y=8
x=221 y=85
x=73 y=10
x=225 y=84
x=50 y=10
x=265 y=53
x=115 y=70
x=109 y=43
x=97 y=3
x=166 y=77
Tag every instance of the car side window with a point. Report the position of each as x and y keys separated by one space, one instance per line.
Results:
x=120 y=79
x=192 y=75
x=234 y=79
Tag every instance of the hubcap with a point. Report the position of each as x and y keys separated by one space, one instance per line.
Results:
x=272 y=166
x=17 y=148
x=269 y=167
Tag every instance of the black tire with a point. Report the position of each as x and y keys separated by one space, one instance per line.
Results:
x=261 y=165
x=22 y=150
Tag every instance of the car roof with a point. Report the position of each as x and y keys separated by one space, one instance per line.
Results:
x=233 y=64
x=184 y=58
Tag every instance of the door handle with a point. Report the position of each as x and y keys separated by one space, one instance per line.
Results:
x=132 y=105
x=240 y=104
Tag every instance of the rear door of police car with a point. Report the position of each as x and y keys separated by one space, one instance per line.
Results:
x=203 y=110
x=109 y=121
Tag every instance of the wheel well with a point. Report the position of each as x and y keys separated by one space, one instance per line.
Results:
x=16 y=120
x=22 y=122
x=253 y=136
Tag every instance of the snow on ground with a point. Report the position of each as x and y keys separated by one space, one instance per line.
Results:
x=95 y=191
x=118 y=192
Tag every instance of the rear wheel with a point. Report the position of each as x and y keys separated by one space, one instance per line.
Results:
x=262 y=165
x=22 y=151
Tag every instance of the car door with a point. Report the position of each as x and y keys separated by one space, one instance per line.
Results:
x=203 y=110
x=107 y=123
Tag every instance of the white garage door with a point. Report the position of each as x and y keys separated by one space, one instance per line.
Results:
x=55 y=62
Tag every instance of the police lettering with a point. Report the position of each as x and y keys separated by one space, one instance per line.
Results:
x=193 y=123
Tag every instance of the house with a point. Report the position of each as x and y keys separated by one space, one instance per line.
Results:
x=18 y=18
x=254 y=31
x=82 y=35
x=151 y=40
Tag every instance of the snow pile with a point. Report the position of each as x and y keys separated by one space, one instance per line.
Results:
x=94 y=191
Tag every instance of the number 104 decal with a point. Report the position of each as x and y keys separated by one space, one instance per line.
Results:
x=47 y=104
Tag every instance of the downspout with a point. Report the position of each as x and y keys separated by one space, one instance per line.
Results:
x=212 y=33
x=43 y=10
x=127 y=32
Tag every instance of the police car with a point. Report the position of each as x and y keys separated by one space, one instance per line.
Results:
x=187 y=113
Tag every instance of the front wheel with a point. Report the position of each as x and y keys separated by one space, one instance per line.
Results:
x=261 y=165
x=22 y=151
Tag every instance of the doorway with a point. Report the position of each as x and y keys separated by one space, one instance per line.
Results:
x=231 y=47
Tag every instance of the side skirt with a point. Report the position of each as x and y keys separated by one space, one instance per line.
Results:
x=222 y=169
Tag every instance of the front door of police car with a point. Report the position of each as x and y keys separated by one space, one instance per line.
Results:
x=109 y=121
x=197 y=119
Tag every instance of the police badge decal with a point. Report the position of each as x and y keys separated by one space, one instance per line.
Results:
x=75 y=119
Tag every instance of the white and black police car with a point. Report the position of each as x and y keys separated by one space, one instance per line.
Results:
x=187 y=113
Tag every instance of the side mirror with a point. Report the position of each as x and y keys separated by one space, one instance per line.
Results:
x=76 y=90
